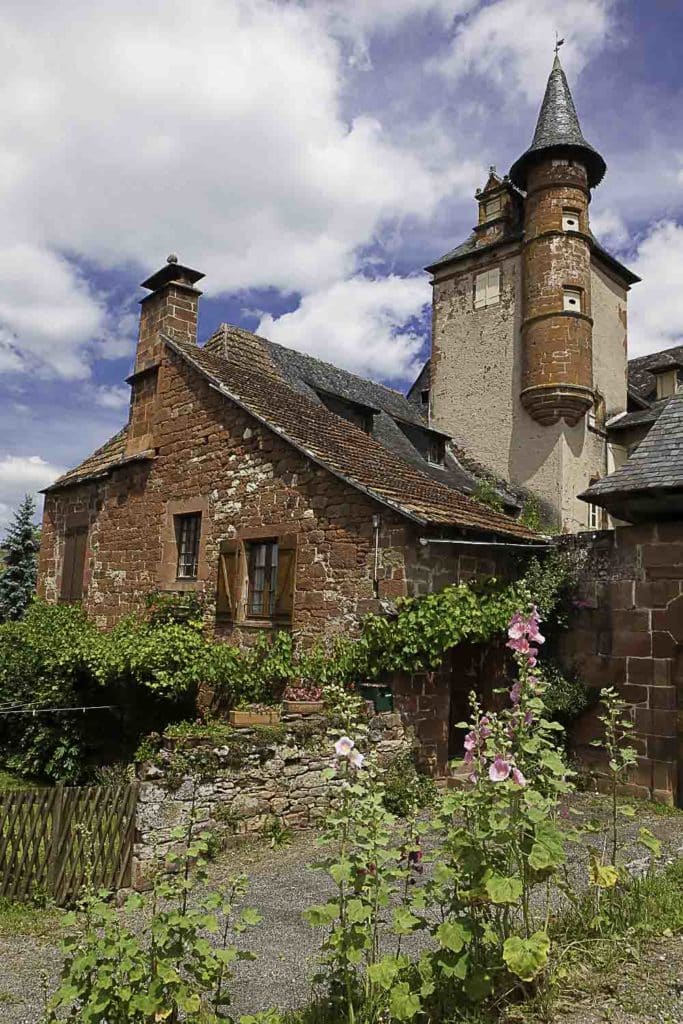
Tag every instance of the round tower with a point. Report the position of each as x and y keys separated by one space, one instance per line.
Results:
x=557 y=173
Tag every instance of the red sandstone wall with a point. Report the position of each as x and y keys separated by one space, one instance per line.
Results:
x=630 y=635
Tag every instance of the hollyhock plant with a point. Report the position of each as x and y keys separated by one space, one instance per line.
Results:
x=343 y=746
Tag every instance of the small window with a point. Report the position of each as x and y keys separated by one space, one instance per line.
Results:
x=436 y=451
x=424 y=396
x=570 y=220
x=572 y=300
x=487 y=288
x=188 y=529
x=73 y=564
x=594 y=517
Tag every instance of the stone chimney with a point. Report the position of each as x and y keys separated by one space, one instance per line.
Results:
x=171 y=309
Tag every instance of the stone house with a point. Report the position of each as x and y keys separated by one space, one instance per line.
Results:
x=284 y=491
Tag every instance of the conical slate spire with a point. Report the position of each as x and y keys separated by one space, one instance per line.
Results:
x=558 y=128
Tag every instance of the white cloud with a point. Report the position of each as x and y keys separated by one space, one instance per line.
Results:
x=217 y=133
x=20 y=475
x=656 y=304
x=358 y=324
x=509 y=41
x=609 y=227
x=112 y=396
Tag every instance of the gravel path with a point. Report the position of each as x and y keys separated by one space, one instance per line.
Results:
x=281 y=887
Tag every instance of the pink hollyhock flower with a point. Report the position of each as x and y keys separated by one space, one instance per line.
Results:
x=343 y=746
x=356 y=758
x=499 y=770
x=522 y=645
x=469 y=757
x=517 y=777
x=484 y=731
x=517 y=627
x=473 y=777
x=470 y=741
x=528 y=718
x=535 y=635
x=516 y=693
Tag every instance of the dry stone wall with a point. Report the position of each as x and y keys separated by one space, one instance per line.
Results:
x=239 y=787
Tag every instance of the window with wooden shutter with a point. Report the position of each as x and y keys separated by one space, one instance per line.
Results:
x=73 y=563
x=228 y=594
x=487 y=288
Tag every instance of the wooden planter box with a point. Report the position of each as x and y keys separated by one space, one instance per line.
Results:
x=246 y=719
x=303 y=707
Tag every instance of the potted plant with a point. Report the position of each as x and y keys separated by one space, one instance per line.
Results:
x=303 y=700
x=254 y=714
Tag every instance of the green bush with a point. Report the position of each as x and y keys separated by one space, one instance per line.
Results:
x=406 y=789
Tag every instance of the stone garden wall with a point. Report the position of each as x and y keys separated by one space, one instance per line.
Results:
x=256 y=777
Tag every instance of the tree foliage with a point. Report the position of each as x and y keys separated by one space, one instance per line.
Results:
x=18 y=576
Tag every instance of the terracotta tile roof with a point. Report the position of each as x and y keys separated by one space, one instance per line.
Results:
x=100 y=463
x=340 y=446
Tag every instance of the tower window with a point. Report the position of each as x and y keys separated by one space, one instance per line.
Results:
x=487 y=288
x=571 y=299
x=570 y=220
x=424 y=396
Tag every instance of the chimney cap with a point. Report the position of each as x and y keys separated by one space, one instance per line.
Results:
x=172 y=271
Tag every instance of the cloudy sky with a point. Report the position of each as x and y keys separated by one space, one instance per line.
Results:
x=310 y=157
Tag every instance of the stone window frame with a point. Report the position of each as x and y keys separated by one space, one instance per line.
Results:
x=232 y=593
x=76 y=521
x=167 y=578
x=573 y=291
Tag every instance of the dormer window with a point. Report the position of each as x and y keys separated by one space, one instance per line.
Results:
x=487 y=288
x=571 y=300
x=436 y=451
x=493 y=207
x=570 y=220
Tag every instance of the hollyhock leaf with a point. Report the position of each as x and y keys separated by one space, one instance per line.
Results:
x=503 y=890
x=526 y=957
x=404 y=921
x=605 y=876
x=452 y=936
x=403 y=1004
x=650 y=842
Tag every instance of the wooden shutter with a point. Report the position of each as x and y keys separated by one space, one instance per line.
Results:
x=73 y=563
x=228 y=592
x=493 y=287
x=480 y=290
x=286 y=576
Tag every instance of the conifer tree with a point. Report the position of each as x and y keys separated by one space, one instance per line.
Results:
x=18 y=575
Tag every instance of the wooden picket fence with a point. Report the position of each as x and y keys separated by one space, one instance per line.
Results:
x=55 y=841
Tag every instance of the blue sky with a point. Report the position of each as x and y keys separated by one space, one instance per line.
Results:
x=310 y=158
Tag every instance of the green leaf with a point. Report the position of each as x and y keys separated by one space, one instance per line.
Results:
x=526 y=957
x=452 y=935
x=403 y=1004
x=404 y=921
x=250 y=916
x=628 y=811
x=503 y=890
x=322 y=915
x=384 y=972
x=357 y=911
x=650 y=842
x=341 y=872
x=605 y=876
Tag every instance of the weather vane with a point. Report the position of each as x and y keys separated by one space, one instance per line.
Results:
x=558 y=42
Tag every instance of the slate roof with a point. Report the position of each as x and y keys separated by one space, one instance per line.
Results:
x=640 y=379
x=100 y=463
x=341 y=447
x=638 y=418
x=558 y=128
x=655 y=465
